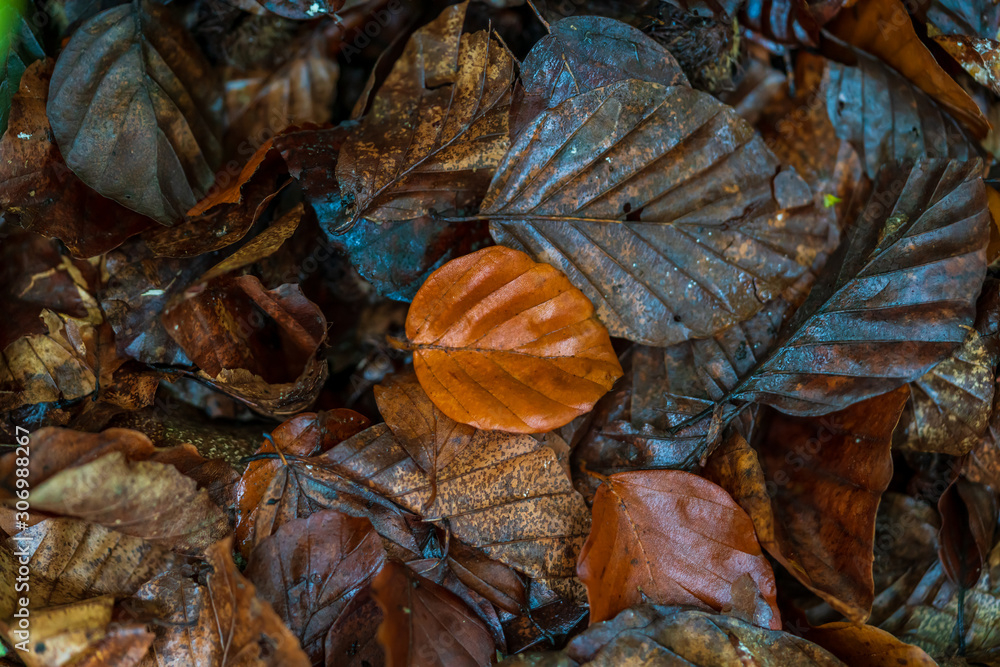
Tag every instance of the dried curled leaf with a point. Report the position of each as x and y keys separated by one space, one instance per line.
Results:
x=427 y=625
x=661 y=204
x=896 y=300
x=436 y=130
x=259 y=346
x=502 y=342
x=136 y=110
x=651 y=635
x=673 y=538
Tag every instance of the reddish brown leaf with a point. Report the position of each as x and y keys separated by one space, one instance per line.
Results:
x=425 y=624
x=673 y=538
x=813 y=492
x=352 y=641
x=502 y=342
x=311 y=568
x=304 y=435
x=259 y=346
x=968 y=523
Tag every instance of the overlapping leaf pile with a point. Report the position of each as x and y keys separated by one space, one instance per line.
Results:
x=577 y=332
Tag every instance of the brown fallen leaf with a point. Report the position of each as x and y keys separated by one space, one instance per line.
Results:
x=812 y=492
x=502 y=342
x=968 y=525
x=71 y=561
x=166 y=102
x=979 y=57
x=311 y=569
x=81 y=634
x=454 y=90
x=867 y=646
x=505 y=494
x=650 y=634
x=351 y=641
x=950 y=405
x=218 y=621
x=425 y=625
x=145 y=499
x=430 y=437
x=673 y=538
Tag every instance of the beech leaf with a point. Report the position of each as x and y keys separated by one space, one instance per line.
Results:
x=502 y=342
x=673 y=538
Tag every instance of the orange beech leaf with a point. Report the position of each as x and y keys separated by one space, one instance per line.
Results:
x=426 y=624
x=503 y=342
x=673 y=538
x=867 y=646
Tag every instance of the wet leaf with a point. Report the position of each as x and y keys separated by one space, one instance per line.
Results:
x=588 y=52
x=352 y=641
x=651 y=634
x=813 y=491
x=965 y=17
x=425 y=624
x=436 y=129
x=430 y=437
x=968 y=523
x=886 y=119
x=301 y=10
x=628 y=189
x=864 y=329
x=670 y=537
x=220 y=621
x=497 y=319
x=311 y=569
x=132 y=75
